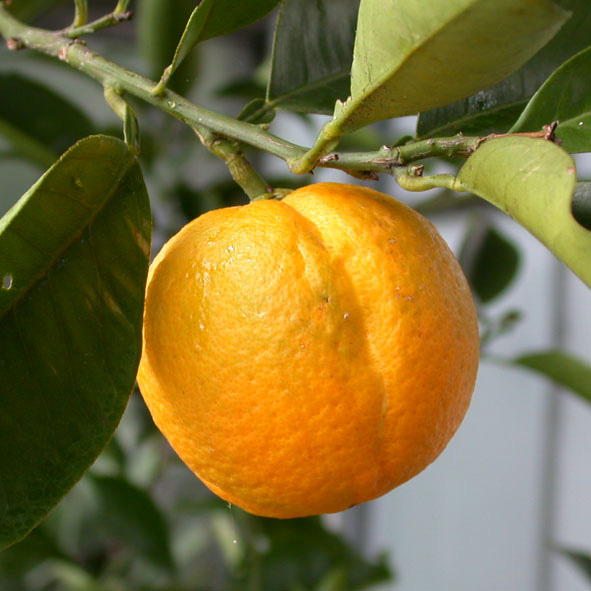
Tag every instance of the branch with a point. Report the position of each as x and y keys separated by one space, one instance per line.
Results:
x=110 y=20
x=366 y=165
x=107 y=73
x=242 y=171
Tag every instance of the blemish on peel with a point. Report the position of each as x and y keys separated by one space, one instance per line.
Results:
x=345 y=315
x=570 y=170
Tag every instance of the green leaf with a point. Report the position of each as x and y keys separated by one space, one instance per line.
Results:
x=159 y=27
x=312 y=54
x=40 y=123
x=563 y=369
x=229 y=15
x=582 y=560
x=73 y=264
x=490 y=261
x=414 y=55
x=37 y=547
x=130 y=516
x=581 y=205
x=212 y=18
x=532 y=180
x=302 y=553
x=564 y=97
x=258 y=112
x=496 y=109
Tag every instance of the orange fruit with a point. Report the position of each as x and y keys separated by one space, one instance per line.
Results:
x=306 y=355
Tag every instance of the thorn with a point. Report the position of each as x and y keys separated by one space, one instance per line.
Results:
x=549 y=131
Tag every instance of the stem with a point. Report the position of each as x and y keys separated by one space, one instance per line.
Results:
x=366 y=165
x=240 y=168
x=326 y=142
x=124 y=111
x=110 y=20
x=121 y=6
x=412 y=179
x=81 y=14
x=82 y=58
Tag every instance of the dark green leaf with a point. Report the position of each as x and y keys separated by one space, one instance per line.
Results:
x=496 y=109
x=312 y=54
x=73 y=263
x=564 y=97
x=257 y=111
x=488 y=111
x=414 y=55
x=303 y=552
x=563 y=369
x=582 y=560
x=38 y=546
x=490 y=261
x=212 y=18
x=131 y=517
x=40 y=123
x=229 y=15
x=581 y=205
x=532 y=180
x=25 y=10
x=246 y=88
x=160 y=26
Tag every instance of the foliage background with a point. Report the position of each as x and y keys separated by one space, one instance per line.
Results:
x=490 y=513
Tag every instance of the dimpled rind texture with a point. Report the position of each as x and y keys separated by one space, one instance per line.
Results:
x=306 y=355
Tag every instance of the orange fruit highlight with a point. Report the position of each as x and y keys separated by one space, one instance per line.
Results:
x=306 y=355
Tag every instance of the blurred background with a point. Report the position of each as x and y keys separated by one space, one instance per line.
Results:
x=506 y=506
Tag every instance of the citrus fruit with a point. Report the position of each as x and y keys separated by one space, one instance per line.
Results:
x=306 y=355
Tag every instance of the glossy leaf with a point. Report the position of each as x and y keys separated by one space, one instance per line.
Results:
x=564 y=97
x=73 y=263
x=490 y=261
x=258 y=112
x=414 y=55
x=581 y=204
x=532 y=180
x=40 y=123
x=563 y=369
x=159 y=28
x=495 y=109
x=130 y=516
x=212 y=18
x=312 y=54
